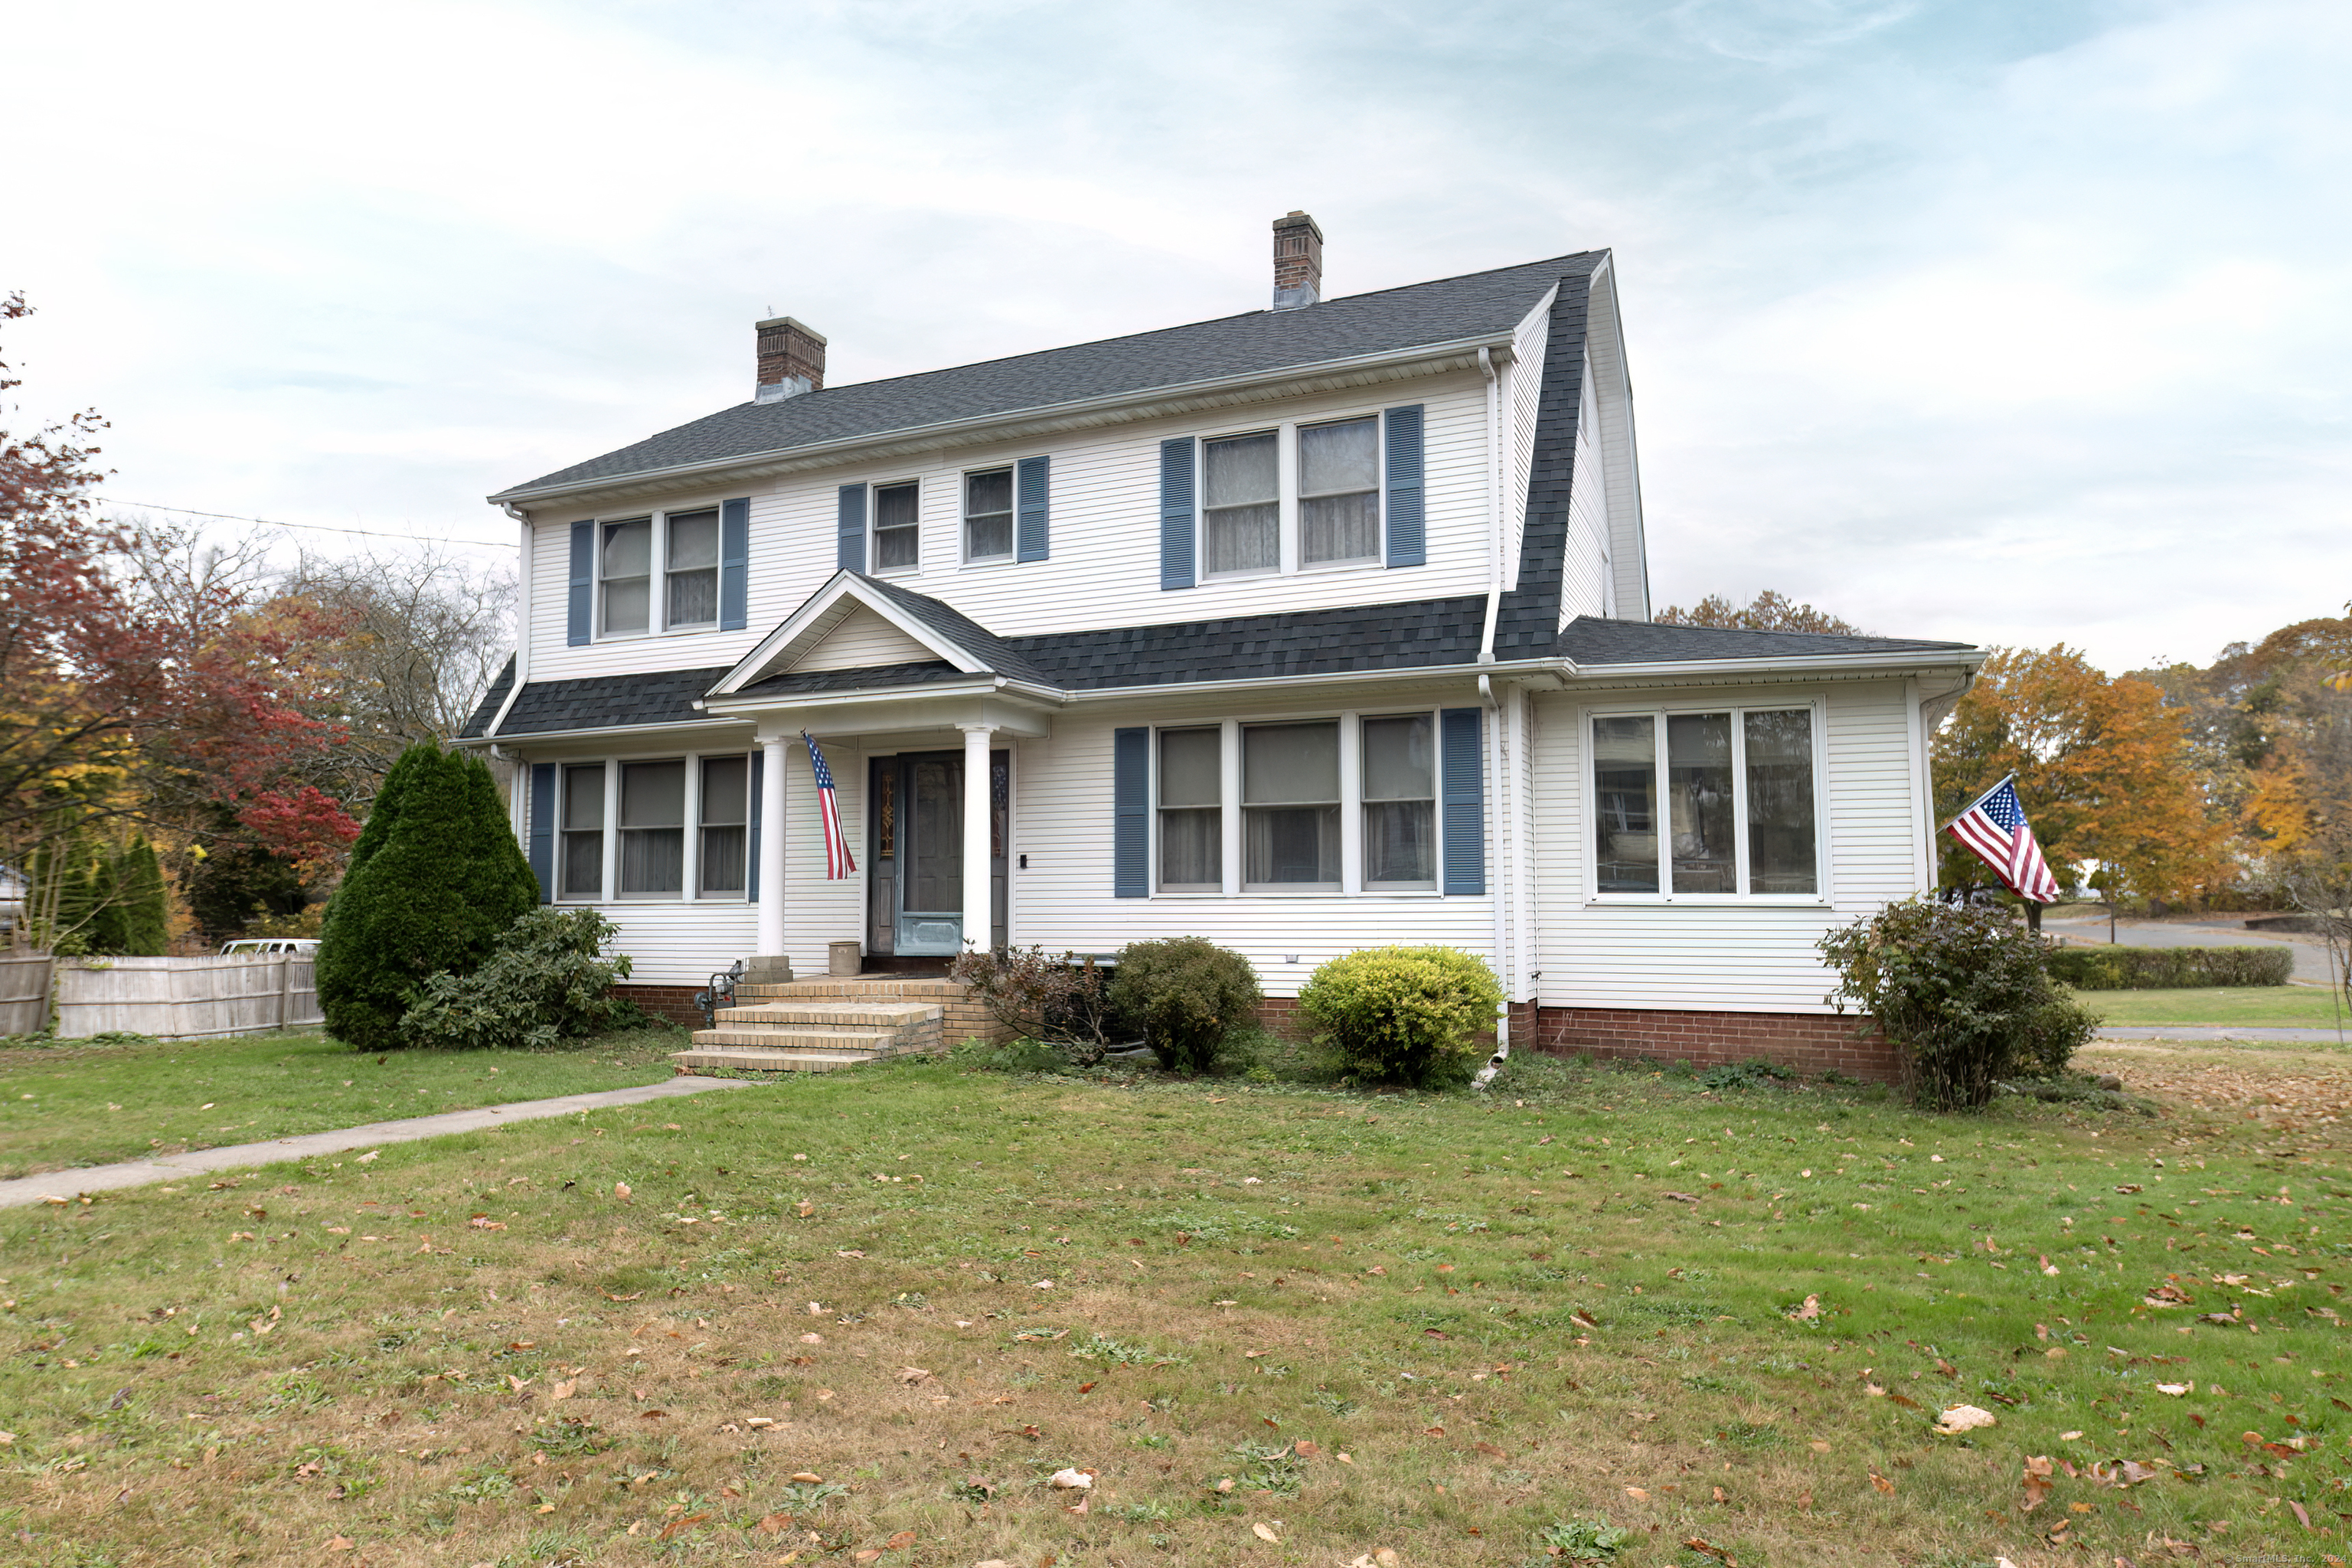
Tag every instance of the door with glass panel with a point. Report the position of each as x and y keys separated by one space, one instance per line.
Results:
x=915 y=848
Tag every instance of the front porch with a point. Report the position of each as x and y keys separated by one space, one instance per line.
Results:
x=821 y=1024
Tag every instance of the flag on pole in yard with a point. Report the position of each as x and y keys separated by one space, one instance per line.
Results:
x=837 y=863
x=1995 y=828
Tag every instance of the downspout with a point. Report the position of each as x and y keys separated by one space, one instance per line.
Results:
x=1494 y=769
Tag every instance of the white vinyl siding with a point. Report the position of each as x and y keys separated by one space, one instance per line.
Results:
x=1586 y=580
x=862 y=640
x=1523 y=398
x=1720 y=955
x=1104 y=566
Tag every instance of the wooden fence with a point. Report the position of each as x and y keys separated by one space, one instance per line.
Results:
x=185 y=998
x=23 y=993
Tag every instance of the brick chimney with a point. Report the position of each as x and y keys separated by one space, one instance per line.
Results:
x=1297 y=262
x=791 y=360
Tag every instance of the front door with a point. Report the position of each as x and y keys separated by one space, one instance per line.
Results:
x=915 y=845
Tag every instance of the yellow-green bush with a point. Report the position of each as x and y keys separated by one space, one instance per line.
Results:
x=1406 y=1014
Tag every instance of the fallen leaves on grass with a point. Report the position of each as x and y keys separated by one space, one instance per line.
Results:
x=1808 y=1312
x=1265 y=1533
x=1961 y=1418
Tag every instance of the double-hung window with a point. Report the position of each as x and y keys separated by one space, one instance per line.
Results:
x=988 y=515
x=581 y=874
x=1338 y=491
x=1192 y=810
x=897 y=531
x=691 y=552
x=726 y=827
x=625 y=564
x=1241 y=504
x=1290 y=808
x=1706 y=805
x=653 y=829
x=1400 y=802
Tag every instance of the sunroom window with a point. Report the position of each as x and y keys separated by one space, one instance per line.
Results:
x=1720 y=804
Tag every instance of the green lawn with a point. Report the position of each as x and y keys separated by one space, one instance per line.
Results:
x=2282 y=1006
x=69 y=1104
x=873 y=1312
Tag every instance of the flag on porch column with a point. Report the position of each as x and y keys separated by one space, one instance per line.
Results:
x=837 y=863
x=1996 y=830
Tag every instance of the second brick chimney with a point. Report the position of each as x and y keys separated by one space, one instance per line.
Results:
x=791 y=360
x=1297 y=261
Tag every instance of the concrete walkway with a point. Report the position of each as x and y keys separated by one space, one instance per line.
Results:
x=2219 y=1032
x=311 y=1145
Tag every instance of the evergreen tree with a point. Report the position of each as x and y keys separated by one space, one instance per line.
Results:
x=146 y=903
x=105 y=930
x=436 y=878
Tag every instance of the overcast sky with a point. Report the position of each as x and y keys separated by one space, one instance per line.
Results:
x=2009 y=321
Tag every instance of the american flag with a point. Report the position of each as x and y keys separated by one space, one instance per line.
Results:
x=1995 y=828
x=837 y=863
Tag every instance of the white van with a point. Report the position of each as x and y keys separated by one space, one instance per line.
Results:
x=302 y=946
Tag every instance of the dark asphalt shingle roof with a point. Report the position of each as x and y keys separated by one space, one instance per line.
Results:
x=489 y=710
x=1589 y=640
x=1423 y=632
x=1392 y=318
x=609 y=701
x=995 y=653
x=877 y=677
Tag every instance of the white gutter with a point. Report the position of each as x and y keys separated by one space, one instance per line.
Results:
x=817 y=453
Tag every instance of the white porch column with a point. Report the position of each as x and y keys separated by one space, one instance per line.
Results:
x=775 y=755
x=977 y=904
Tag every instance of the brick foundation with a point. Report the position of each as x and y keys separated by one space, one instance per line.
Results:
x=1809 y=1043
x=671 y=1003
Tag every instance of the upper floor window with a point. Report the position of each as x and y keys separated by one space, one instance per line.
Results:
x=692 y=561
x=626 y=568
x=1241 y=509
x=897 y=531
x=1338 y=491
x=1706 y=805
x=988 y=515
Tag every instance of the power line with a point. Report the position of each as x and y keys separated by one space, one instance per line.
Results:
x=318 y=527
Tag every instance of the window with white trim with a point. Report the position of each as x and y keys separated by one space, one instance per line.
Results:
x=988 y=515
x=624 y=562
x=690 y=552
x=1290 y=808
x=1400 y=802
x=658 y=574
x=1339 y=492
x=1192 y=810
x=898 y=527
x=582 y=873
x=1299 y=497
x=1706 y=805
x=645 y=831
x=1241 y=504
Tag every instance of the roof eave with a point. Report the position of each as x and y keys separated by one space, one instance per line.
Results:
x=1772 y=668
x=1456 y=354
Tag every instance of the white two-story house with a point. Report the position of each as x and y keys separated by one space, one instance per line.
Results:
x=1306 y=629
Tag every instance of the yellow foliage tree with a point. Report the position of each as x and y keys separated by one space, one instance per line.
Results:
x=2103 y=769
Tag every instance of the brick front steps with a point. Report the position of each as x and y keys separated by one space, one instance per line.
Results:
x=817 y=1025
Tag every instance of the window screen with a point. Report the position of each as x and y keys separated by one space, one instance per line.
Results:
x=693 y=569
x=726 y=818
x=1290 y=805
x=1400 y=802
x=1192 y=816
x=1339 y=492
x=653 y=827
x=988 y=515
x=1241 y=514
x=583 y=872
x=897 y=536
x=628 y=566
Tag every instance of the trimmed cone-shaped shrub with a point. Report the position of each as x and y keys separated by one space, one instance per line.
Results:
x=433 y=891
x=1404 y=1014
x=1188 y=996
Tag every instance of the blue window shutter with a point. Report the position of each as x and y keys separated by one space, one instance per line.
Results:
x=734 y=565
x=851 y=528
x=752 y=878
x=1175 y=517
x=1131 y=794
x=1033 y=522
x=1461 y=784
x=542 y=828
x=580 y=609
x=1407 y=503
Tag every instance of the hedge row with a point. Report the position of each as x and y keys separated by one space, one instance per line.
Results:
x=2168 y=968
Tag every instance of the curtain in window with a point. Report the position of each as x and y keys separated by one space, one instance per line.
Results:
x=628 y=562
x=1191 y=820
x=1239 y=505
x=897 y=536
x=653 y=827
x=583 y=875
x=693 y=552
x=1400 y=802
x=726 y=817
x=1339 y=492
x=988 y=515
x=1290 y=797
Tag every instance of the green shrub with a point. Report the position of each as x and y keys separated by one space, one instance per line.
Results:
x=1062 y=1000
x=435 y=880
x=1187 y=997
x=1964 y=994
x=1407 y=1014
x=547 y=981
x=2169 y=968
